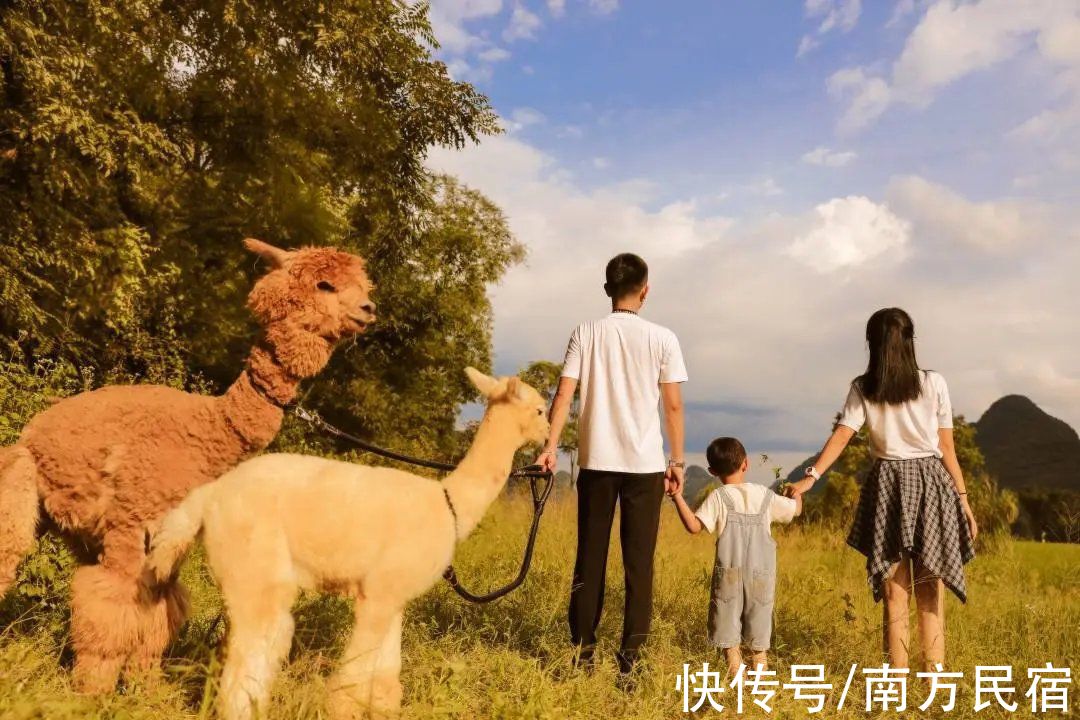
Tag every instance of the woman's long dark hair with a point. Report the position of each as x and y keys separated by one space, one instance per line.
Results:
x=892 y=374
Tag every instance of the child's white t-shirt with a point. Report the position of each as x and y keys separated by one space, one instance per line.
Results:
x=746 y=498
x=905 y=431
x=620 y=362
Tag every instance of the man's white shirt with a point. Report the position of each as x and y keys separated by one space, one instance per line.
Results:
x=619 y=362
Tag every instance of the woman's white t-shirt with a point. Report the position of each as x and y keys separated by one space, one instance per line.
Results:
x=619 y=362
x=905 y=431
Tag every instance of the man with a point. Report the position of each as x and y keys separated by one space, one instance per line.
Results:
x=625 y=366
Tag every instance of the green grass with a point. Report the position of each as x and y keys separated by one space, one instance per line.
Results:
x=511 y=659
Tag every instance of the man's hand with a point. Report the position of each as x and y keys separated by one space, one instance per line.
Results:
x=547 y=460
x=674 y=479
x=799 y=487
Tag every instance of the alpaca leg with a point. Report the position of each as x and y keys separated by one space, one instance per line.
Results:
x=368 y=678
x=105 y=622
x=160 y=620
x=111 y=621
x=260 y=634
x=18 y=510
x=386 y=678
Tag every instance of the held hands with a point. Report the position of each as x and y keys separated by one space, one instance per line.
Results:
x=674 y=478
x=799 y=487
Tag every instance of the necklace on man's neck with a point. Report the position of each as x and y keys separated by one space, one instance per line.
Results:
x=624 y=310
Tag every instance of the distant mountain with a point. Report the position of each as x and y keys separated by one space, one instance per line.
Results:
x=697 y=478
x=1027 y=448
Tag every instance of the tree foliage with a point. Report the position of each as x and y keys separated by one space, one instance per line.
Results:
x=140 y=141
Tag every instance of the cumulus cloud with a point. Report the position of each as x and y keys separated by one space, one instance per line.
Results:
x=953 y=40
x=850 y=232
x=942 y=216
x=604 y=7
x=556 y=7
x=829 y=158
x=770 y=308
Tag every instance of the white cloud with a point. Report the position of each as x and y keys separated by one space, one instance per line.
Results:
x=448 y=18
x=954 y=40
x=523 y=24
x=840 y=15
x=807 y=44
x=771 y=345
x=601 y=163
x=556 y=7
x=829 y=158
x=867 y=97
x=942 y=216
x=494 y=54
x=524 y=117
x=849 y=232
x=901 y=10
x=604 y=7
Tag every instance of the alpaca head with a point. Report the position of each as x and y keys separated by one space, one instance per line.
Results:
x=515 y=401
x=310 y=299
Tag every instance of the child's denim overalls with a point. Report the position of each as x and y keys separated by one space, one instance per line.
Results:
x=744 y=579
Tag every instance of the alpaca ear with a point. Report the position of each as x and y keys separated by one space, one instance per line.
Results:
x=515 y=388
x=273 y=255
x=487 y=385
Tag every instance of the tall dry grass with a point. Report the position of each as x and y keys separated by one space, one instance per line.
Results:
x=511 y=659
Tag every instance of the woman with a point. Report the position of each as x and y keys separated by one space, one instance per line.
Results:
x=913 y=520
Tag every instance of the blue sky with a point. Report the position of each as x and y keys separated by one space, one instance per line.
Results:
x=787 y=168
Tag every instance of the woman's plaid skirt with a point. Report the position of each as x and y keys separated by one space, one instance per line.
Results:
x=911 y=506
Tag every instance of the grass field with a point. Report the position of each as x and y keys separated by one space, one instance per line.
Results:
x=511 y=659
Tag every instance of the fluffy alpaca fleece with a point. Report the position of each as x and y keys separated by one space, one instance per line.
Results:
x=279 y=523
x=106 y=465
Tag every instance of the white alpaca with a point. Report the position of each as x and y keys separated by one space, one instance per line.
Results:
x=279 y=523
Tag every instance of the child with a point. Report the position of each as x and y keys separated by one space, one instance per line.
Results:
x=744 y=577
x=913 y=517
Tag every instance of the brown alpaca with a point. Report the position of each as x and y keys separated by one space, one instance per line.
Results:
x=107 y=465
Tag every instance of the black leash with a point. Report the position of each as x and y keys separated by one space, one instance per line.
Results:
x=541 y=483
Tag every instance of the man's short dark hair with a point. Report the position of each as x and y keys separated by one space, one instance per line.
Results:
x=725 y=456
x=625 y=274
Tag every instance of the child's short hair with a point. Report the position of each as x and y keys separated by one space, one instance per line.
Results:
x=725 y=456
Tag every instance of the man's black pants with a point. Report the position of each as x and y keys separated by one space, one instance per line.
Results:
x=639 y=497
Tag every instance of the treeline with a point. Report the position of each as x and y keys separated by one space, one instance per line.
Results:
x=141 y=141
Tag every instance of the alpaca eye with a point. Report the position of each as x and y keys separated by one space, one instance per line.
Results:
x=540 y=411
x=326 y=287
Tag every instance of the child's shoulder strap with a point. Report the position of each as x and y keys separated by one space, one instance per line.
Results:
x=722 y=491
x=765 y=502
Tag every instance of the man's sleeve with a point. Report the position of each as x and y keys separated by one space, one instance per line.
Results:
x=672 y=368
x=853 y=414
x=572 y=362
x=782 y=509
x=709 y=511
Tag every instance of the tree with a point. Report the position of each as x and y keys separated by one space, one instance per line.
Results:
x=544 y=375
x=140 y=141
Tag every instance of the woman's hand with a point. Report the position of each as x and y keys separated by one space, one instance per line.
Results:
x=970 y=517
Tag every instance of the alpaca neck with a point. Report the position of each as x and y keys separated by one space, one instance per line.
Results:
x=481 y=475
x=252 y=406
